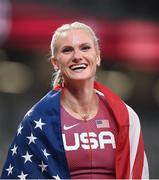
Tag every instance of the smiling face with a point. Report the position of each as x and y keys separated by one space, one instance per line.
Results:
x=76 y=55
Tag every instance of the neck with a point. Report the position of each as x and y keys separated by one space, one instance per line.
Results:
x=80 y=101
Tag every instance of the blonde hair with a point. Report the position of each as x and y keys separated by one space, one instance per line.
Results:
x=57 y=77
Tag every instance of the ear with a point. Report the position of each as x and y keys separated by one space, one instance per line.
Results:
x=54 y=64
x=98 y=60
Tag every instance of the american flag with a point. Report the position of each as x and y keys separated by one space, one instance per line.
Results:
x=36 y=151
x=30 y=156
x=103 y=123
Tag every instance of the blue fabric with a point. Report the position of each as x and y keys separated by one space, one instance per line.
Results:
x=37 y=150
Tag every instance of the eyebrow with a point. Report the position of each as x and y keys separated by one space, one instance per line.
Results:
x=79 y=45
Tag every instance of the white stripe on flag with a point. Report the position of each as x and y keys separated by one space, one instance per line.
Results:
x=103 y=123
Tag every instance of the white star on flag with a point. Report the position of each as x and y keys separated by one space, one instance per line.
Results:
x=29 y=112
x=22 y=176
x=56 y=177
x=27 y=157
x=31 y=139
x=39 y=124
x=10 y=168
x=45 y=153
x=14 y=149
x=19 y=130
x=43 y=166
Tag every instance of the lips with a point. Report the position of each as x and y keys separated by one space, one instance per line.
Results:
x=78 y=66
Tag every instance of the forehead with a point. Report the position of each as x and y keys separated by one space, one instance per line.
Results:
x=74 y=36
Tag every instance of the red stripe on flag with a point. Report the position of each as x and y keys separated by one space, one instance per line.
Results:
x=103 y=123
x=139 y=160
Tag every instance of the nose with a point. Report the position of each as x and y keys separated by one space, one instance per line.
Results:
x=77 y=56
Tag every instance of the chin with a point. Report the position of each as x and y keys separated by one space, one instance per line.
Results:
x=83 y=78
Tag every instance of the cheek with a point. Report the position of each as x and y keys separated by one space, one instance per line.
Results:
x=60 y=61
x=94 y=60
x=62 y=64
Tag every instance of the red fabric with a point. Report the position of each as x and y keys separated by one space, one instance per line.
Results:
x=121 y=116
x=128 y=164
x=138 y=164
x=100 y=163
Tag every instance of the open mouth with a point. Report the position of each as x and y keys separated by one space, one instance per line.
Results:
x=78 y=67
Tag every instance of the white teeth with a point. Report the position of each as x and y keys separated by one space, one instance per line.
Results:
x=79 y=66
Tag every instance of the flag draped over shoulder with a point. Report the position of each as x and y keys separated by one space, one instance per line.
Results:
x=37 y=150
x=131 y=161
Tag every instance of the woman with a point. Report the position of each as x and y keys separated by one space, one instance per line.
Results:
x=80 y=129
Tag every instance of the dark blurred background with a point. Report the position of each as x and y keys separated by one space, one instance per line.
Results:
x=129 y=38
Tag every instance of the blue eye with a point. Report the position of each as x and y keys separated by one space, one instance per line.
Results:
x=85 y=48
x=67 y=50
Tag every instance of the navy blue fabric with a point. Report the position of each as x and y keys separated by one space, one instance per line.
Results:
x=43 y=123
